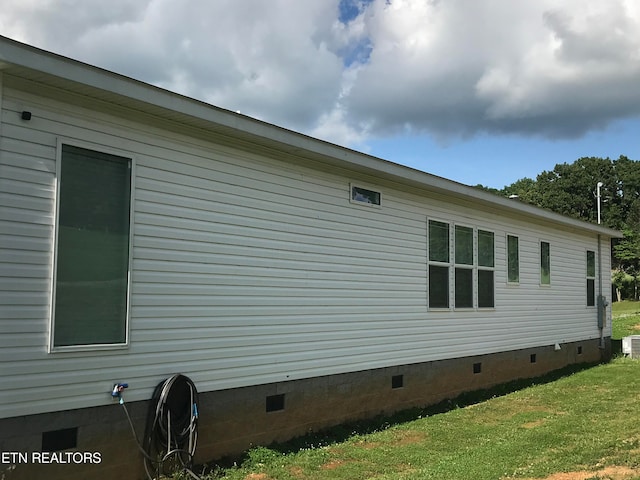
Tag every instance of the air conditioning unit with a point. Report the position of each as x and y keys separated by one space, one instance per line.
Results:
x=631 y=346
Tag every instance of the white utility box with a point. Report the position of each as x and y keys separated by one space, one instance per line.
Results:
x=631 y=346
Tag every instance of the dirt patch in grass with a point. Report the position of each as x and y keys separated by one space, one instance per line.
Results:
x=636 y=327
x=367 y=445
x=406 y=437
x=297 y=472
x=609 y=473
x=256 y=476
x=332 y=465
x=534 y=424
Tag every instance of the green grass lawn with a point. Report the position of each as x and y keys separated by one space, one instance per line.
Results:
x=586 y=423
x=580 y=426
x=626 y=319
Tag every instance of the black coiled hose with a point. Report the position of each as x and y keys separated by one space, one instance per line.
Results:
x=171 y=432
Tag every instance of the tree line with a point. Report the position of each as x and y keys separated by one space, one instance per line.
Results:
x=571 y=189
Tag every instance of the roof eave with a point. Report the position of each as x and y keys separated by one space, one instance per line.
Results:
x=21 y=57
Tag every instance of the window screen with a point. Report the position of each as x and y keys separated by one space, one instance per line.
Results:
x=464 y=288
x=92 y=257
x=545 y=263
x=591 y=278
x=513 y=259
x=438 y=286
x=438 y=241
x=485 y=249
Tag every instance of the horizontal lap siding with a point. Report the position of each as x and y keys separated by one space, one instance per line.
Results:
x=248 y=270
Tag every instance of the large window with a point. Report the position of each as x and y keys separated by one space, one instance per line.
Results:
x=92 y=249
x=513 y=259
x=545 y=263
x=438 y=264
x=467 y=269
x=591 y=278
x=486 y=265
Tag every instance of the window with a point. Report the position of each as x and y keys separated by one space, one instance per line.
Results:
x=591 y=278
x=364 y=196
x=91 y=279
x=438 y=264
x=467 y=270
x=545 y=264
x=486 y=266
x=513 y=260
x=464 y=267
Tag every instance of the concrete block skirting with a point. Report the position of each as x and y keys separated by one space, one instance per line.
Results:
x=233 y=420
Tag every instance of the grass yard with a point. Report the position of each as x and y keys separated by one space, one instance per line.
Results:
x=626 y=319
x=583 y=425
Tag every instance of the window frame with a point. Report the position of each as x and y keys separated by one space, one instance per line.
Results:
x=102 y=149
x=485 y=268
x=590 y=278
x=542 y=260
x=369 y=188
x=438 y=263
x=456 y=270
x=464 y=266
x=508 y=257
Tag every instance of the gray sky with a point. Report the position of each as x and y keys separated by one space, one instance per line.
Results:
x=490 y=84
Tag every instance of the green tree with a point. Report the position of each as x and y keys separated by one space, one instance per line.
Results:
x=571 y=189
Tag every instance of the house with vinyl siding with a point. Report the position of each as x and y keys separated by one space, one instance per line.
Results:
x=299 y=284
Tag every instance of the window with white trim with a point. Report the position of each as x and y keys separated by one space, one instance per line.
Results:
x=438 y=264
x=91 y=273
x=467 y=270
x=545 y=263
x=463 y=266
x=486 y=267
x=591 y=278
x=513 y=259
x=365 y=196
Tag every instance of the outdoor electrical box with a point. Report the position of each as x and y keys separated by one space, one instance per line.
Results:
x=631 y=346
x=602 y=311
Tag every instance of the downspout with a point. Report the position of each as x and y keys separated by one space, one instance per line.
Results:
x=602 y=301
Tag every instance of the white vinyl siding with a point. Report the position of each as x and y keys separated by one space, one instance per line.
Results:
x=249 y=269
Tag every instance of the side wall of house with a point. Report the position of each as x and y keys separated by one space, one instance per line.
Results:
x=249 y=269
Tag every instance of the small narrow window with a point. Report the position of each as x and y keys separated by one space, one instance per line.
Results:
x=438 y=264
x=365 y=196
x=513 y=259
x=591 y=278
x=91 y=280
x=545 y=263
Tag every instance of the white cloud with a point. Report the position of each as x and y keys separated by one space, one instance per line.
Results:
x=458 y=67
x=447 y=68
